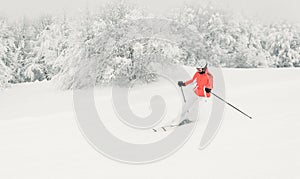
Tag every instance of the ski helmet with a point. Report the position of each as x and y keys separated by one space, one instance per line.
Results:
x=202 y=64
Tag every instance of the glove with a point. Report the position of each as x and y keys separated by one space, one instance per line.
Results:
x=207 y=90
x=180 y=83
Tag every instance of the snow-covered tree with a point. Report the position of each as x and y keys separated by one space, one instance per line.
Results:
x=48 y=50
x=25 y=36
x=283 y=44
x=7 y=50
x=227 y=40
x=5 y=75
x=98 y=41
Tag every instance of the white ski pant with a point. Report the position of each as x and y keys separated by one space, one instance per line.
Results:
x=191 y=100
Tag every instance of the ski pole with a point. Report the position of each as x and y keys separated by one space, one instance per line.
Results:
x=231 y=105
x=182 y=94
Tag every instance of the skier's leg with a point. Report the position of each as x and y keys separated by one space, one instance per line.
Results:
x=187 y=106
x=191 y=98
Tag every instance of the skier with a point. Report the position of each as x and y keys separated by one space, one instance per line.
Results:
x=202 y=89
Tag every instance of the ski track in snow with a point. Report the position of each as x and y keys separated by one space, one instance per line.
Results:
x=39 y=136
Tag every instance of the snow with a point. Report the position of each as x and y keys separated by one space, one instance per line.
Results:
x=39 y=136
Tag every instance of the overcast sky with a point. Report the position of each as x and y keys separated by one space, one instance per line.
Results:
x=269 y=10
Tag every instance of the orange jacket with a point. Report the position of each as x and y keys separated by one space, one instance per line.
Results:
x=203 y=81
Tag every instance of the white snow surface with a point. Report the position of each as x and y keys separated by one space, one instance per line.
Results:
x=40 y=138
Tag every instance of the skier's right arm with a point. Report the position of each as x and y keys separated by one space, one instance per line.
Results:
x=191 y=81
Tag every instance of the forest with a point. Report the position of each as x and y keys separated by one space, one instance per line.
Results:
x=106 y=46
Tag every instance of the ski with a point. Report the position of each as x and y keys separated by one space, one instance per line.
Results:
x=165 y=128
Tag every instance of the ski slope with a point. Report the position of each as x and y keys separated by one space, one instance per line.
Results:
x=40 y=138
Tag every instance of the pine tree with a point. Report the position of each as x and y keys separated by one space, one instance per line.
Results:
x=7 y=49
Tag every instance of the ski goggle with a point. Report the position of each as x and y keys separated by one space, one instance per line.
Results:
x=201 y=69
